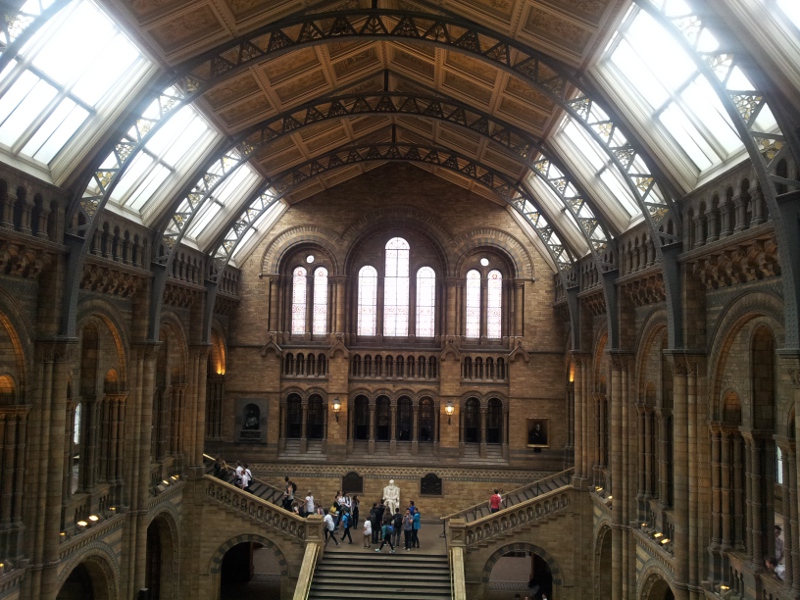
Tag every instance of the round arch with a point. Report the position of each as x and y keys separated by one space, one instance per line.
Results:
x=107 y=314
x=161 y=565
x=555 y=569
x=654 y=585
x=516 y=255
x=101 y=567
x=215 y=563
x=285 y=242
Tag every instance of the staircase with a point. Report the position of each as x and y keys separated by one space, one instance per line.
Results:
x=259 y=488
x=366 y=574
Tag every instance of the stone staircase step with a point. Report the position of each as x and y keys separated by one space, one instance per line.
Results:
x=359 y=574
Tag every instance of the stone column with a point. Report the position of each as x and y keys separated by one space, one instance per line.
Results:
x=304 y=425
x=725 y=492
x=415 y=427
x=519 y=308
x=725 y=219
x=616 y=476
x=274 y=283
x=338 y=302
x=372 y=417
x=452 y=299
x=7 y=210
x=649 y=458
x=579 y=398
x=680 y=488
x=484 y=410
x=641 y=418
x=715 y=563
x=791 y=550
x=789 y=496
x=739 y=518
x=664 y=459
x=8 y=430
x=393 y=426
x=711 y=219
x=755 y=501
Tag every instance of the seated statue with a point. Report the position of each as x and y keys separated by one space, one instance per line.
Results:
x=391 y=496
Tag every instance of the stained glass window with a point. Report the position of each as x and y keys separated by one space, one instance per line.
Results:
x=367 y=301
x=426 y=301
x=396 y=288
x=299 y=301
x=473 y=304
x=494 y=305
x=320 y=319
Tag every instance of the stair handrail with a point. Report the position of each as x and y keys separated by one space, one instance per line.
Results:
x=458 y=583
x=258 y=509
x=521 y=515
x=275 y=495
x=473 y=510
x=311 y=556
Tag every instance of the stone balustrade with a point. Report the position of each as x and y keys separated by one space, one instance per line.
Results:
x=502 y=523
x=255 y=508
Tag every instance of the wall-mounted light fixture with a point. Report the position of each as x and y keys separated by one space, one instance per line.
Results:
x=336 y=407
x=449 y=409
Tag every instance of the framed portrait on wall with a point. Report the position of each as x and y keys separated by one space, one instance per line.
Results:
x=538 y=433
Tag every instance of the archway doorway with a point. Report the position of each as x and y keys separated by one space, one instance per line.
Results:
x=160 y=567
x=93 y=579
x=602 y=573
x=655 y=588
x=522 y=572
x=250 y=571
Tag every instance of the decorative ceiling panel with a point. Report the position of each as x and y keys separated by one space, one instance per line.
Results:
x=556 y=31
x=252 y=109
x=232 y=91
x=468 y=88
x=188 y=29
x=301 y=86
x=282 y=68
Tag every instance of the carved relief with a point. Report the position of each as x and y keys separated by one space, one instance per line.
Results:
x=20 y=260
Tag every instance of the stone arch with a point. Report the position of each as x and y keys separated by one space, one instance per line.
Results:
x=218 y=355
x=654 y=584
x=555 y=569
x=103 y=569
x=113 y=320
x=17 y=327
x=414 y=218
x=325 y=239
x=601 y=561
x=518 y=257
x=165 y=523
x=215 y=563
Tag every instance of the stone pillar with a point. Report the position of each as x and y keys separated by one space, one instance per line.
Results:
x=711 y=219
x=725 y=492
x=617 y=477
x=7 y=210
x=649 y=458
x=274 y=283
x=393 y=427
x=415 y=427
x=738 y=518
x=58 y=355
x=680 y=488
x=791 y=550
x=338 y=301
x=452 y=301
x=725 y=219
x=789 y=496
x=664 y=459
x=484 y=410
x=44 y=213
x=579 y=399
x=372 y=416
x=519 y=308
x=740 y=213
x=692 y=459
x=715 y=563
x=641 y=479
x=304 y=425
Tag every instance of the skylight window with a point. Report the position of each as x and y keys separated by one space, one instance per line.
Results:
x=172 y=150
x=790 y=8
x=660 y=83
x=74 y=68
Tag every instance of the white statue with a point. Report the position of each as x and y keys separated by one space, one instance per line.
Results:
x=391 y=496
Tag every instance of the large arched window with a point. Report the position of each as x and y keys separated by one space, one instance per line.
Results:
x=299 y=290
x=383 y=418
x=494 y=305
x=472 y=421
x=426 y=302
x=473 y=325
x=294 y=417
x=426 y=420
x=367 y=301
x=405 y=419
x=396 y=288
x=320 y=317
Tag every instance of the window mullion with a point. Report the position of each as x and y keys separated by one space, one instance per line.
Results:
x=40 y=119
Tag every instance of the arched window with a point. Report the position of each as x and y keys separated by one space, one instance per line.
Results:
x=299 y=289
x=405 y=419
x=361 y=418
x=426 y=422
x=473 y=326
x=426 y=301
x=395 y=288
x=494 y=421
x=472 y=421
x=494 y=305
x=367 y=301
x=294 y=417
x=320 y=318
x=315 y=427
x=383 y=419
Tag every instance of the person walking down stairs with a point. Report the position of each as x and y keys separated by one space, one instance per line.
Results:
x=387 y=530
x=330 y=528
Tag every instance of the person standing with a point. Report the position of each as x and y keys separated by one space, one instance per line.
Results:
x=367 y=533
x=415 y=532
x=355 y=502
x=374 y=516
x=408 y=529
x=237 y=480
x=244 y=480
x=346 y=520
x=330 y=529
x=778 y=544
x=397 y=526
x=309 y=503
x=495 y=501
x=386 y=529
x=288 y=495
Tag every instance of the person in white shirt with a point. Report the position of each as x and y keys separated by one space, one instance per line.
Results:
x=309 y=504
x=367 y=533
x=245 y=480
x=330 y=529
x=239 y=469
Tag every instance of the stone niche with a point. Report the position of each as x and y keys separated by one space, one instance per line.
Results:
x=251 y=420
x=353 y=483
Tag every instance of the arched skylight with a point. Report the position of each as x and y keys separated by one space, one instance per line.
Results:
x=790 y=8
x=77 y=67
x=648 y=72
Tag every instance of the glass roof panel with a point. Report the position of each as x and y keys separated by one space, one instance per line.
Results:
x=791 y=8
x=74 y=70
x=658 y=82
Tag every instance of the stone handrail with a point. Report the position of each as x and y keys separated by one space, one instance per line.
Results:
x=458 y=584
x=314 y=550
x=270 y=493
x=518 y=516
x=516 y=496
x=255 y=508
